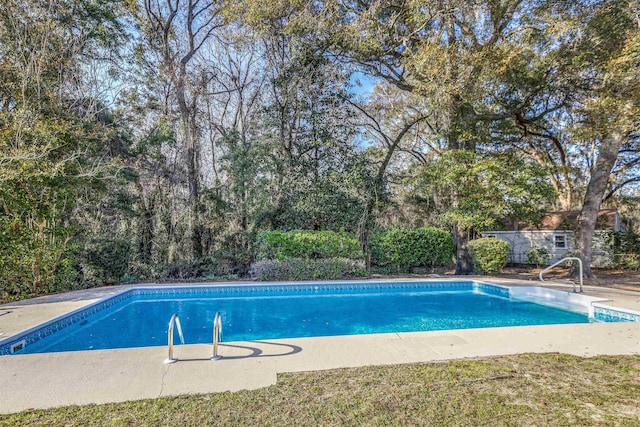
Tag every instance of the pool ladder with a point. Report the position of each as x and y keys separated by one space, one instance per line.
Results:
x=217 y=336
x=570 y=258
x=175 y=322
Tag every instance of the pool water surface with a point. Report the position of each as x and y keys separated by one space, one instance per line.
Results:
x=139 y=317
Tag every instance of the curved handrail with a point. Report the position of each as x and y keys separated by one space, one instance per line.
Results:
x=560 y=262
x=174 y=320
x=217 y=336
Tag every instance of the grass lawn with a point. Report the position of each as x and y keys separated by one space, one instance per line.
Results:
x=529 y=389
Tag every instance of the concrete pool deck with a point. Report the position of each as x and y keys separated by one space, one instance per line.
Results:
x=102 y=376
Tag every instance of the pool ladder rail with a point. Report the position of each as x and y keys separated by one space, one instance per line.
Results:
x=570 y=258
x=175 y=322
x=217 y=336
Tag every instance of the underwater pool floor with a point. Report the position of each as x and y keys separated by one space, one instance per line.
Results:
x=102 y=376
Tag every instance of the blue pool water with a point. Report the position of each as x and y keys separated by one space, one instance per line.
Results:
x=139 y=318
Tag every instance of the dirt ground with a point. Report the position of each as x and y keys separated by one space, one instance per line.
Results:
x=619 y=279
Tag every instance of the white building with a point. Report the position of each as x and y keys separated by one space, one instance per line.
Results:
x=555 y=233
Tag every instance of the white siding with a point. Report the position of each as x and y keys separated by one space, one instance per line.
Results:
x=520 y=242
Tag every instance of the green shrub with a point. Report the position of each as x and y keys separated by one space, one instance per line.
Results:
x=68 y=276
x=538 y=256
x=627 y=262
x=281 y=245
x=33 y=252
x=140 y=270
x=489 y=254
x=307 y=269
x=626 y=251
x=626 y=243
x=402 y=248
x=105 y=261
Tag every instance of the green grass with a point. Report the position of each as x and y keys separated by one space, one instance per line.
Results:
x=523 y=390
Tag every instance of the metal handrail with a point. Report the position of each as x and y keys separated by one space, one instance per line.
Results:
x=174 y=320
x=560 y=262
x=217 y=336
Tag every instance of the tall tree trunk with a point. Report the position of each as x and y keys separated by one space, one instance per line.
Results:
x=464 y=265
x=146 y=225
x=593 y=198
x=367 y=221
x=464 y=261
x=190 y=135
x=194 y=197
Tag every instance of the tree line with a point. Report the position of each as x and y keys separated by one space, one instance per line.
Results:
x=169 y=133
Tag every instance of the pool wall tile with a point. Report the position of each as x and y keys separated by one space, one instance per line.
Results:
x=605 y=313
x=222 y=291
x=490 y=289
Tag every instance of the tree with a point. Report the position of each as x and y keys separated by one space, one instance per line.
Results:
x=449 y=53
x=176 y=33
x=585 y=110
x=306 y=126
x=611 y=107
x=387 y=120
x=57 y=141
x=491 y=186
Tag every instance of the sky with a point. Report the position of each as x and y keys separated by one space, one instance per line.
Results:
x=362 y=84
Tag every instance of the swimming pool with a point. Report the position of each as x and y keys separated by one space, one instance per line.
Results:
x=139 y=317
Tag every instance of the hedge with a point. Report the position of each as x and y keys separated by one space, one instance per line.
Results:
x=402 y=248
x=626 y=243
x=306 y=244
x=489 y=254
x=105 y=261
x=307 y=269
x=626 y=251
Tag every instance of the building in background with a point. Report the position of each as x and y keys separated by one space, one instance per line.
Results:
x=555 y=233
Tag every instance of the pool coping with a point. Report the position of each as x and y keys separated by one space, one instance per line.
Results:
x=101 y=376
